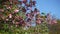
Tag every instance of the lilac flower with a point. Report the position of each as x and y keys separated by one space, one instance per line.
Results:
x=49 y=18
x=24 y=1
x=38 y=20
x=34 y=2
x=24 y=9
x=33 y=21
x=27 y=4
x=36 y=11
x=28 y=15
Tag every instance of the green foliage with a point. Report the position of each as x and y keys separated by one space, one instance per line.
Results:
x=55 y=28
x=20 y=13
x=39 y=29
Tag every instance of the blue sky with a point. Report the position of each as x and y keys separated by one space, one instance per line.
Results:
x=49 y=6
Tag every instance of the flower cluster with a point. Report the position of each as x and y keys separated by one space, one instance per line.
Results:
x=15 y=11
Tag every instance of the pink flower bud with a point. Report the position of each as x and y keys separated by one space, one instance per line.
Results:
x=1 y=10
x=7 y=19
x=28 y=24
x=53 y=21
x=17 y=23
x=10 y=15
x=9 y=7
x=16 y=10
x=38 y=12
